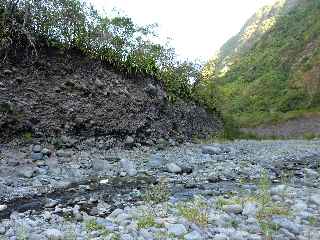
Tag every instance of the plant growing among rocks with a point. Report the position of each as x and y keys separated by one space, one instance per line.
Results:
x=157 y=193
x=195 y=211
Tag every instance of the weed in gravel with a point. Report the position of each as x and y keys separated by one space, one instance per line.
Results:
x=157 y=193
x=195 y=211
x=146 y=221
x=312 y=220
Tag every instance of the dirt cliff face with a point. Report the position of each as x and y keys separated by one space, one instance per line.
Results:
x=66 y=93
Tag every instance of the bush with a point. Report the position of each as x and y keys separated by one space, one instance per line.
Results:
x=118 y=41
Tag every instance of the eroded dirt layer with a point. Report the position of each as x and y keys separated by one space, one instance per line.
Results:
x=67 y=93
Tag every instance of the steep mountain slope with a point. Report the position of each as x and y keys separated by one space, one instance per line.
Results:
x=252 y=31
x=277 y=67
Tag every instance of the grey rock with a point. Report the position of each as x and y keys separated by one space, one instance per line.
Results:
x=235 y=208
x=35 y=236
x=195 y=235
x=122 y=217
x=287 y=224
x=173 y=168
x=64 y=154
x=155 y=161
x=26 y=172
x=129 y=140
x=129 y=167
x=46 y=152
x=126 y=237
x=100 y=165
x=212 y=150
x=151 y=90
x=221 y=236
x=3 y=207
x=51 y=203
x=249 y=209
x=103 y=208
x=315 y=199
x=36 y=156
x=2 y=229
x=214 y=178
x=54 y=234
x=36 y=149
x=176 y=229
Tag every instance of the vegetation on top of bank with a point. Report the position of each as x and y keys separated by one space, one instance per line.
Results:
x=118 y=41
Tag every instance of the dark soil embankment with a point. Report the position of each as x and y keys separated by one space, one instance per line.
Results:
x=66 y=93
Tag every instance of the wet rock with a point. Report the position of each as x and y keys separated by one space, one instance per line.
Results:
x=173 y=168
x=128 y=167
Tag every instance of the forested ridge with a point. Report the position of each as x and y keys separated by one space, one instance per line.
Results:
x=270 y=70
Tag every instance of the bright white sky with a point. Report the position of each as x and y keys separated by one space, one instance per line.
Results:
x=197 y=27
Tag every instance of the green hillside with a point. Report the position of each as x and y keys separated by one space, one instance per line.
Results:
x=276 y=69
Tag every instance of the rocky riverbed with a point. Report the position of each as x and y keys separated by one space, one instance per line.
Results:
x=241 y=190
